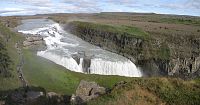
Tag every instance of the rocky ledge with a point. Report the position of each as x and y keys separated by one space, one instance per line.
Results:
x=86 y=61
x=34 y=42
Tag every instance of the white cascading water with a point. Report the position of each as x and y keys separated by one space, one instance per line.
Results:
x=99 y=66
x=62 y=45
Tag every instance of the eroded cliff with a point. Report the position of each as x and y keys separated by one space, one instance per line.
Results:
x=173 y=55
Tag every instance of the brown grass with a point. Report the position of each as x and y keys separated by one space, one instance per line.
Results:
x=137 y=96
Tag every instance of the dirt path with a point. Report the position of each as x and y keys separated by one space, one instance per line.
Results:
x=20 y=66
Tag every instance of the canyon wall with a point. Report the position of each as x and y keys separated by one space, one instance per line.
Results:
x=178 y=56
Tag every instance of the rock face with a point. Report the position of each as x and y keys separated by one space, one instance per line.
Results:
x=22 y=97
x=34 y=42
x=87 y=91
x=31 y=95
x=174 y=56
x=84 y=59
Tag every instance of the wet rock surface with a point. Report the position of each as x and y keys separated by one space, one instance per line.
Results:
x=87 y=91
x=86 y=61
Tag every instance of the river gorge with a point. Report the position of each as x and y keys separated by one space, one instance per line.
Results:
x=73 y=53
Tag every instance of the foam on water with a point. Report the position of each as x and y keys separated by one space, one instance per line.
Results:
x=62 y=45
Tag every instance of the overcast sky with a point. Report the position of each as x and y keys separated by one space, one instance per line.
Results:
x=31 y=7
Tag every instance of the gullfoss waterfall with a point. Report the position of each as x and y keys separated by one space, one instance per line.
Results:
x=75 y=54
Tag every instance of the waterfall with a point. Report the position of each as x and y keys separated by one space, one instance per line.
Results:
x=99 y=66
x=61 y=46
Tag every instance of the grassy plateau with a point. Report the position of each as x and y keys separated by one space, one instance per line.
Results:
x=119 y=29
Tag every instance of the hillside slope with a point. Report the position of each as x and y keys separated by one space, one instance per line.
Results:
x=9 y=58
x=152 y=91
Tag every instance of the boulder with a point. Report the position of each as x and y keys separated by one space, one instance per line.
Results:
x=87 y=91
x=51 y=94
x=31 y=95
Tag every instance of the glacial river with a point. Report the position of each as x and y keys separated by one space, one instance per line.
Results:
x=63 y=46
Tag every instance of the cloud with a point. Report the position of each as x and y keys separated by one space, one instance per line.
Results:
x=32 y=2
x=193 y=4
x=175 y=4
x=187 y=4
x=122 y=2
x=125 y=3
x=93 y=6
x=55 y=6
x=84 y=5
x=5 y=10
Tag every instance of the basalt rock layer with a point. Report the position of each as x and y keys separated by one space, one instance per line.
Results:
x=174 y=56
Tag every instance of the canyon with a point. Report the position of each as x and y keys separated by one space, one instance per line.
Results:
x=74 y=54
x=153 y=56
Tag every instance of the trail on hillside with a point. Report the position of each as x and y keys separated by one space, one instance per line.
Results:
x=20 y=65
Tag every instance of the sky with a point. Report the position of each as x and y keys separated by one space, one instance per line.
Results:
x=32 y=7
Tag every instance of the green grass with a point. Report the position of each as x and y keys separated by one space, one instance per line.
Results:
x=9 y=38
x=44 y=73
x=119 y=30
x=197 y=80
x=181 y=21
x=163 y=52
x=40 y=72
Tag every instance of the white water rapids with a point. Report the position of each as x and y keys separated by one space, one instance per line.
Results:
x=61 y=46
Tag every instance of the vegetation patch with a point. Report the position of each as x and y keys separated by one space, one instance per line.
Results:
x=157 y=90
x=181 y=21
x=119 y=30
x=163 y=52
x=9 y=58
x=5 y=62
